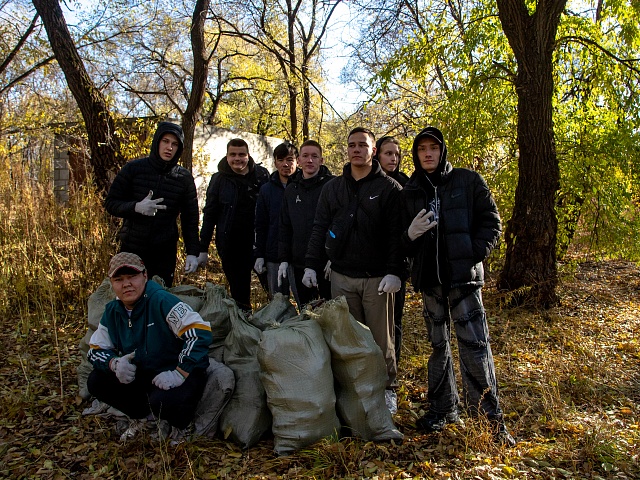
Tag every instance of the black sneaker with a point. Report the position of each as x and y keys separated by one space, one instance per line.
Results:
x=435 y=422
x=502 y=436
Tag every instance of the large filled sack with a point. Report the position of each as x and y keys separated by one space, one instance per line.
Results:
x=215 y=311
x=360 y=372
x=296 y=373
x=95 y=308
x=276 y=311
x=216 y=395
x=246 y=418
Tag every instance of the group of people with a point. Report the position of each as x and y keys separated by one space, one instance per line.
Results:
x=361 y=234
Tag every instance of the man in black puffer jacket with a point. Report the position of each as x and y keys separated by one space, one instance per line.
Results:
x=453 y=224
x=358 y=226
x=267 y=225
x=230 y=210
x=149 y=194
x=296 y=223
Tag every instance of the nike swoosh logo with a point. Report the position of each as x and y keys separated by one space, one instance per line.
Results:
x=375 y=196
x=150 y=324
x=455 y=195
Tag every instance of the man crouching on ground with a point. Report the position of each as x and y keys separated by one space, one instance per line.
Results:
x=149 y=352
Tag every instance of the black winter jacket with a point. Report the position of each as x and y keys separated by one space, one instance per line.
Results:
x=167 y=180
x=468 y=228
x=297 y=214
x=267 y=221
x=223 y=199
x=358 y=226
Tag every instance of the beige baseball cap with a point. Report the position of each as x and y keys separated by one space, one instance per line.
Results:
x=125 y=259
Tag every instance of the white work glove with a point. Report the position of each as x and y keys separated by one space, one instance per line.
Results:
x=389 y=284
x=191 y=264
x=149 y=207
x=123 y=368
x=203 y=258
x=282 y=272
x=309 y=279
x=421 y=224
x=168 y=380
x=327 y=270
x=259 y=265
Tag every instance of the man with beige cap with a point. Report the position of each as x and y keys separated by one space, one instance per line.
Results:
x=149 y=352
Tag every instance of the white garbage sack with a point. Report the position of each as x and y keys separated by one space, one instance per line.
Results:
x=360 y=372
x=296 y=373
x=246 y=418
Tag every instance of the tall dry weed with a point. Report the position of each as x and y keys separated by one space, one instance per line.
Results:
x=51 y=255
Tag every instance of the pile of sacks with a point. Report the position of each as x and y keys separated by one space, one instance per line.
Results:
x=304 y=377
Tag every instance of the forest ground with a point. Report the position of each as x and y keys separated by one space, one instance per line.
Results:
x=569 y=384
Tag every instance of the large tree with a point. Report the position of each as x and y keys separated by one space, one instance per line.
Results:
x=101 y=132
x=530 y=264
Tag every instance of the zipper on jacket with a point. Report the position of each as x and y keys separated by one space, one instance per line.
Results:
x=437 y=215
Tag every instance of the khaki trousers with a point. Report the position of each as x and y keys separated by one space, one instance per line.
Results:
x=373 y=310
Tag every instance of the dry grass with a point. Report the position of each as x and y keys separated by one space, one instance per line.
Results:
x=568 y=377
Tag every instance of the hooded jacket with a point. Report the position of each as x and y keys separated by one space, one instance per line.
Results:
x=297 y=214
x=397 y=174
x=167 y=180
x=164 y=332
x=357 y=226
x=468 y=228
x=227 y=193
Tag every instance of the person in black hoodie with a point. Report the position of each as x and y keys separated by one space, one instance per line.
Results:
x=150 y=194
x=267 y=224
x=452 y=225
x=230 y=210
x=358 y=226
x=389 y=155
x=296 y=223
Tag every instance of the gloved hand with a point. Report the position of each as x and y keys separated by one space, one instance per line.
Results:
x=421 y=224
x=191 y=264
x=389 y=284
x=282 y=272
x=259 y=265
x=309 y=279
x=168 y=380
x=203 y=258
x=149 y=207
x=327 y=270
x=123 y=368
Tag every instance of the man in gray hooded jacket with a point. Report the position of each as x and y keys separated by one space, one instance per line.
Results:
x=452 y=224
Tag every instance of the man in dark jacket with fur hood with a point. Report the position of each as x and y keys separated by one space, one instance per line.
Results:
x=230 y=209
x=453 y=224
x=149 y=194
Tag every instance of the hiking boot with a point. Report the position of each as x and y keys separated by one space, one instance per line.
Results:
x=134 y=427
x=502 y=436
x=391 y=400
x=435 y=422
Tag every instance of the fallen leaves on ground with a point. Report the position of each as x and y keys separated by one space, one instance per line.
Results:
x=569 y=386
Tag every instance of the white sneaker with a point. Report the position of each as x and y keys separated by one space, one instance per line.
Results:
x=391 y=399
x=135 y=426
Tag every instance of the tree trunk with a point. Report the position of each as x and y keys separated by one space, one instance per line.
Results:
x=104 y=144
x=199 y=84
x=530 y=264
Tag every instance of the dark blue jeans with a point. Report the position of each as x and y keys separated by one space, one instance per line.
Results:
x=464 y=307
